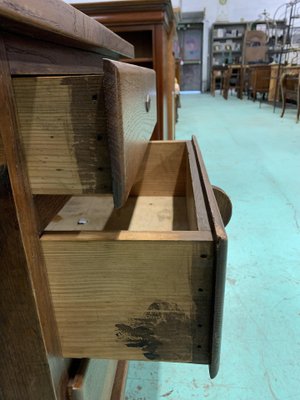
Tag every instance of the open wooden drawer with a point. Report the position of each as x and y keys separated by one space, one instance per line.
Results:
x=145 y=282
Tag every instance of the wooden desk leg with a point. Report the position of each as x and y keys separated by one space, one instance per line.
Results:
x=298 y=99
x=213 y=84
x=283 y=98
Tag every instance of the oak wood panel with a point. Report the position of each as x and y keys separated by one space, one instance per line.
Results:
x=224 y=204
x=196 y=207
x=97 y=213
x=63 y=130
x=24 y=205
x=28 y=56
x=109 y=288
x=47 y=206
x=163 y=170
x=130 y=101
x=104 y=292
x=220 y=243
x=58 y=21
x=24 y=371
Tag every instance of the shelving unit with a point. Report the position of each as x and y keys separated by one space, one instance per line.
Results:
x=228 y=43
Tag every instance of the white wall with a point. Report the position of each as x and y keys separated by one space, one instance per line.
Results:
x=233 y=11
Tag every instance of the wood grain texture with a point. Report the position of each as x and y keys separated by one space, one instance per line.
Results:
x=163 y=170
x=144 y=16
x=63 y=130
x=24 y=371
x=196 y=206
x=97 y=213
x=58 y=22
x=94 y=380
x=220 y=244
x=24 y=205
x=130 y=123
x=119 y=387
x=224 y=204
x=2 y=158
x=47 y=207
x=103 y=291
x=28 y=56
x=134 y=295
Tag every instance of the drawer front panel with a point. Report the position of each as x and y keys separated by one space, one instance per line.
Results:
x=65 y=130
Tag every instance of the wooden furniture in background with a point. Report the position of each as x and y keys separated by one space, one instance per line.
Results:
x=290 y=88
x=255 y=47
x=233 y=80
x=217 y=78
x=259 y=80
x=150 y=26
x=228 y=43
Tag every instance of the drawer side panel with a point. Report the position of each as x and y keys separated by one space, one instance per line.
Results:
x=132 y=300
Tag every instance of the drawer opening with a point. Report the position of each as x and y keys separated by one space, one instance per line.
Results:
x=161 y=200
x=124 y=283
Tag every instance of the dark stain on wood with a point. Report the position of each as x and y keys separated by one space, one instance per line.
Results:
x=162 y=333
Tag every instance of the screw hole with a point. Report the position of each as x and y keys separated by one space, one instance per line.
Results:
x=100 y=169
x=200 y=325
x=94 y=98
x=99 y=137
x=203 y=256
x=200 y=290
x=199 y=346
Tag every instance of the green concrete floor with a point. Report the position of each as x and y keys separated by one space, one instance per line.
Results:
x=255 y=157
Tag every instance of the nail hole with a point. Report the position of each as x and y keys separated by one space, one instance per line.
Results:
x=51 y=137
x=200 y=290
x=94 y=98
x=100 y=169
x=82 y=221
x=99 y=137
x=203 y=256
x=200 y=325
x=199 y=346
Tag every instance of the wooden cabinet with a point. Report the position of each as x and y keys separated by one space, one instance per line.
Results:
x=150 y=26
x=99 y=281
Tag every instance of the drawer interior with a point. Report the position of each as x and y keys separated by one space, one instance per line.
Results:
x=136 y=283
x=162 y=199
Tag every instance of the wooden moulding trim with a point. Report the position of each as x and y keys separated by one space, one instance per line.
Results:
x=110 y=7
x=155 y=17
x=220 y=240
x=62 y=21
x=203 y=236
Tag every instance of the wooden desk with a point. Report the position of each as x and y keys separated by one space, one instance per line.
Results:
x=150 y=26
x=259 y=80
x=290 y=88
x=234 y=79
x=217 y=74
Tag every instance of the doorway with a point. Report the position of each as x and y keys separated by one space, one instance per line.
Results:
x=190 y=55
